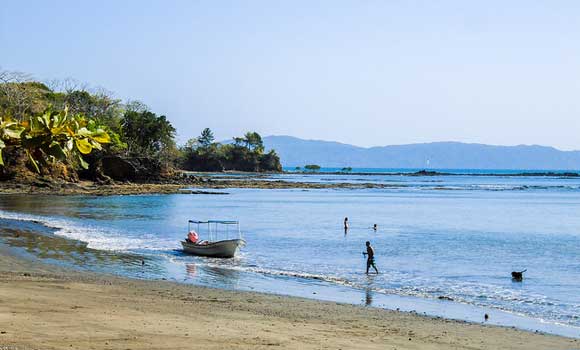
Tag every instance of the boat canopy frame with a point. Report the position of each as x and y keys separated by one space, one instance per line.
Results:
x=214 y=234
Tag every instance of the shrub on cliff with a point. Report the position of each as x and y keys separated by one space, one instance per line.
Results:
x=50 y=139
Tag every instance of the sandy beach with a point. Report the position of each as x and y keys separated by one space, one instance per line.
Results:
x=48 y=307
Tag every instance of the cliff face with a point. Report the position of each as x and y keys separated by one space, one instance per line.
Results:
x=17 y=169
x=103 y=169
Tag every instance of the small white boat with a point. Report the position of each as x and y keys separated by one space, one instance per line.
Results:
x=213 y=247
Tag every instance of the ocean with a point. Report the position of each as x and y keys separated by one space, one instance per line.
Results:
x=445 y=245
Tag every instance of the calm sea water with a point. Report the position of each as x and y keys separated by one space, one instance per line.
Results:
x=455 y=237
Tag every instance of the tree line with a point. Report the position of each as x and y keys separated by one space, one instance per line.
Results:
x=244 y=153
x=66 y=125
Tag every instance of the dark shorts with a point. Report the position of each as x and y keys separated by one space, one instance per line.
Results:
x=370 y=262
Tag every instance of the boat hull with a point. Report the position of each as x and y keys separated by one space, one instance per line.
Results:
x=219 y=249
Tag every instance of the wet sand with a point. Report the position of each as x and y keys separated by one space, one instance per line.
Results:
x=48 y=307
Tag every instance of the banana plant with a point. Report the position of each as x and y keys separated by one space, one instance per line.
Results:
x=58 y=136
x=10 y=132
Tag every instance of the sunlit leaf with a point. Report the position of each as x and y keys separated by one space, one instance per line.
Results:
x=82 y=162
x=46 y=119
x=84 y=132
x=101 y=136
x=56 y=151
x=13 y=131
x=95 y=144
x=83 y=146
x=33 y=162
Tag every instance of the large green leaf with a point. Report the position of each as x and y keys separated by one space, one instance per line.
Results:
x=82 y=162
x=45 y=120
x=101 y=136
x=83 y=146
x=13 y=131
x=2 y=146
x=95 y=144
x=56 y=151
x=53 y=136
x=33 y=162
x=84 y=132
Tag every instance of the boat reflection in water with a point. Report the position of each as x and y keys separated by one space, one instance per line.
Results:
x=191 y=270
x=212 y=275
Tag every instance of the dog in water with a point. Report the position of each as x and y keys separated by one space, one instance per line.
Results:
x=518 y=276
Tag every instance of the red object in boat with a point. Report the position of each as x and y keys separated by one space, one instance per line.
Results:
x=192 y=236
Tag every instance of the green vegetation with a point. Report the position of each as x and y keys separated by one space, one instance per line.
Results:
x=51 y=137
x=312 y=167
x=56 y=136
x=70 y=127
x=245 y=154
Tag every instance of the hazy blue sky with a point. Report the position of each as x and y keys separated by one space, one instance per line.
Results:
x=361 y=72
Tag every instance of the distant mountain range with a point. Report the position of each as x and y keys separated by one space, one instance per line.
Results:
x=437 y=155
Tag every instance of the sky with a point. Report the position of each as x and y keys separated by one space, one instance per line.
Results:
x=368 y=73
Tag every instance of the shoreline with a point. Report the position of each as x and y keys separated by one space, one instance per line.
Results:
x=410 y=173
x=90 y=188
x=50 y=307
x=37 y=241
x=207 y=182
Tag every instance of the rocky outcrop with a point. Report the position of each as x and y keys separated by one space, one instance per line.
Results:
x=134 y=169
x=17 y=169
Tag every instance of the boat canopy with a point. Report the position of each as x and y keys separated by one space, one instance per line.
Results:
x=214 y=234
x=223 y=222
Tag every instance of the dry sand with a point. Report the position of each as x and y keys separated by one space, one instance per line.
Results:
x=46 y=307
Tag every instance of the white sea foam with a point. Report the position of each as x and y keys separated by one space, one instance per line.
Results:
x=494 y=296
x=95 y=237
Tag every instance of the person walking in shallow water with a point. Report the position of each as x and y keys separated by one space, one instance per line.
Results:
x=370 y=257
x=345 y=225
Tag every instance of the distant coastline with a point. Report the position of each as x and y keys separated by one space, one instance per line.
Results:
x=294 y=152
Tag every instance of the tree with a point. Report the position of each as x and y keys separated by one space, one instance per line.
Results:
x=270 y=162
x=206 y=138
x=254 y=142
x=20 y=95
x=239 y=141
x=245 y=154
x=312 y=167
x=99 y=106
x=147 y=134
x=136 y=106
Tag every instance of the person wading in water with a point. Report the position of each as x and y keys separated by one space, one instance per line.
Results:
x=370 y=257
